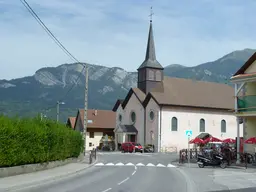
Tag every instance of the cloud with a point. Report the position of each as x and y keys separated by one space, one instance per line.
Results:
x=114 y=33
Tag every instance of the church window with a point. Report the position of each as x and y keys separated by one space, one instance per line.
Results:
x=174 y=124
x=133 y=117
x=151 y=115
x=151 y=75
x=120 y=118
x=223 y=126
x=202 y=125
x=158 y=75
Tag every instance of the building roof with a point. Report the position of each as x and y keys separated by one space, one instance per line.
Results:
x=150 y=59
x=99 y=118
x=118 y=102
x=246 y=65
x=138 y=93
x=190 y=93
x=71 y=121
x=128 y=129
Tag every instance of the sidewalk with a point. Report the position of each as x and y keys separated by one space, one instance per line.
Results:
x=22 y=181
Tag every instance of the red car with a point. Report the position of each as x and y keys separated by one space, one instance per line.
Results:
x=131 y=147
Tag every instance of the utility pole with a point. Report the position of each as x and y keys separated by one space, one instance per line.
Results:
x=58 y=110
x=85 y=106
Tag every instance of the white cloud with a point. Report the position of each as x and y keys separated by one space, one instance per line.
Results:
x=114 y=33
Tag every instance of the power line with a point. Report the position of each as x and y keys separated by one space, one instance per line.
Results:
x=53 y=37
x=46 y=29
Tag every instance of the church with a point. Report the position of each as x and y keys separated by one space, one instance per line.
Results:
x=160 y=109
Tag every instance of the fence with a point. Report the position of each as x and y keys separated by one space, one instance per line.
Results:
x=231 y=156
x=93 y=155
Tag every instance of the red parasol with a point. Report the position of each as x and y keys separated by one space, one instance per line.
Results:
x=251 y=140
x=196 y=141
x=229 y=140
x=212 y=139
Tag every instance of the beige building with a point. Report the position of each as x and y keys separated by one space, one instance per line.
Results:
x=245 y=99
x=161 y=109
x=99 y=124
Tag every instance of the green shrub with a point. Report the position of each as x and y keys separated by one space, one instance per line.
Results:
x=27 y=141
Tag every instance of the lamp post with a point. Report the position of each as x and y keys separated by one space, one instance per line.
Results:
x=58 y=109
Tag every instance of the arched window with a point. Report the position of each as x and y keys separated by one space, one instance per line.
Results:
x=223 y=126
x=133 y=117
x=151 y=75
x=158 y=75
x=202 y=125
x=174 y=124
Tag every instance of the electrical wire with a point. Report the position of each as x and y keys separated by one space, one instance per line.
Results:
x=53 y=37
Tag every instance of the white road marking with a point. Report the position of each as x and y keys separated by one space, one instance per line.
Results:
x=140 y=164
x=109 y=164
x=107 y=190
x=135 y=167
x=123 y=181
x=150 y=165
x=160 y=165
x=99 y=164
x=134 y=172
x=120 y=164
x=170 y=165
x=129 y=164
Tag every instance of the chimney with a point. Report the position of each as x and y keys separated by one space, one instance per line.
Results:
x=95 y=112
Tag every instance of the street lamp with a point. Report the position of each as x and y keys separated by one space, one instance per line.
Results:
x=58 y=109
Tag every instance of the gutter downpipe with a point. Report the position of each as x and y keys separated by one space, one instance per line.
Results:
x=145 y=123
x=160 y=129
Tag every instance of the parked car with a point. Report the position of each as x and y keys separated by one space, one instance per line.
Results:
x=138 y=147
x=127 y=147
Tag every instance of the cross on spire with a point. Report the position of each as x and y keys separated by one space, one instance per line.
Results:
x=151 y=14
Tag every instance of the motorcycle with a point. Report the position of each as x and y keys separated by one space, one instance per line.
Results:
x=216 y=160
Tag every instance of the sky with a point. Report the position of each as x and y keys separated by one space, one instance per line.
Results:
x=114 y=33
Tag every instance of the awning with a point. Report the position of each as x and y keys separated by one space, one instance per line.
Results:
x=127 y=129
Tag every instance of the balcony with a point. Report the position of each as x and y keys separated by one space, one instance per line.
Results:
x=247 y=104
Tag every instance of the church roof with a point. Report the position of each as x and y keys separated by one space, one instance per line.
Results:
x=118 y=102
x=138 y=93
x=190 y=93
x=150 y=59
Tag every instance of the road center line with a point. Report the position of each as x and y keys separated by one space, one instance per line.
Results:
x=134 y=172
x=135 y=168
x=123 y=181
x=107 y=190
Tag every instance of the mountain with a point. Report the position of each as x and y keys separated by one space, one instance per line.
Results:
x=31 y=95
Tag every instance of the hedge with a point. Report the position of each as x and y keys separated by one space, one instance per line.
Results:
x=30 y=140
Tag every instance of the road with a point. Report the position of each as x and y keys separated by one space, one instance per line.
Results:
x=123 y=173
x=117 y=172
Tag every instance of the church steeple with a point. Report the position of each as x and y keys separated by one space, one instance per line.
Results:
x=150 y=58
x=150 y=72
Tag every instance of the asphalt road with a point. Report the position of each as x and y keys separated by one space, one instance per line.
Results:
x=116 y=172
x=122 y=177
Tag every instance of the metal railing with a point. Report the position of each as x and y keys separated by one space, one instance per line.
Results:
x=247 y=103
x=246 y=159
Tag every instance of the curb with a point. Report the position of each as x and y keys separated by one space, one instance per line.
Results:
x=48 y=180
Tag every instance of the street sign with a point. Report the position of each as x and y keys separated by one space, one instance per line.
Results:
x=188 y=133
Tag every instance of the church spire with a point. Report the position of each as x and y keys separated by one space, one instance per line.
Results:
x=150 y=58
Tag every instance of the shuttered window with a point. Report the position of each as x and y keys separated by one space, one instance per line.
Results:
x=223 y=126
x=202 y=125
x=174 y=124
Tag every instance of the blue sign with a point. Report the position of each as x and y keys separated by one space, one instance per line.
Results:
x=188 y=133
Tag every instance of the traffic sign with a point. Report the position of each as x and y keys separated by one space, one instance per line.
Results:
x=188 y=133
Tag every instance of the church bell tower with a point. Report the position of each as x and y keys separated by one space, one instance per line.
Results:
x=150 y=72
